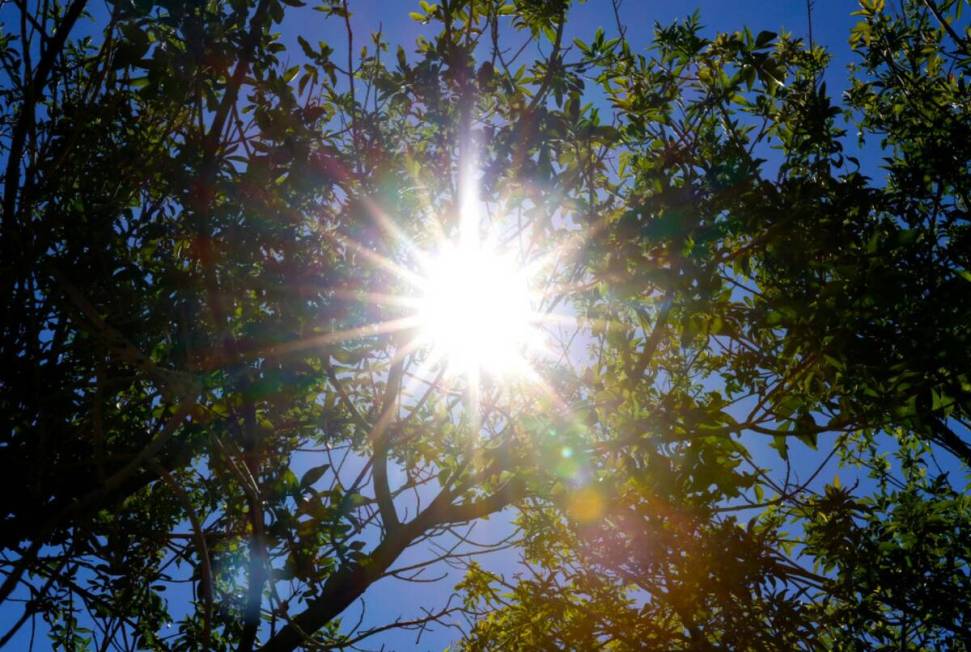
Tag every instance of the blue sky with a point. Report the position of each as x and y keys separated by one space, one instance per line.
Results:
x=832 y=22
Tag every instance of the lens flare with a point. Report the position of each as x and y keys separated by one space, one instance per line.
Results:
x=586 y=505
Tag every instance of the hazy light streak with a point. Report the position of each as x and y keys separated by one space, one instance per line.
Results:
x=383 y=262
x=378 y=298
x=385 y=222
x=325 y=339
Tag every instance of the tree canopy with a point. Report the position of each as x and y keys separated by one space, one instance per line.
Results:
x=746 y=425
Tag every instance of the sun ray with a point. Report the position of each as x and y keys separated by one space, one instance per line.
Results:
x=470 y=210
x=380 y=261
x=537 y=380
x=396 y=232
x=406 y=348
x=338 y=337
x=559 y=319
x=420 y=376
x=378 y=298
x=479 y=292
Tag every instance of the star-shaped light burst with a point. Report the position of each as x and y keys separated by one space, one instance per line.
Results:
x=476 y=306
x=475 y=303
x=472 y=301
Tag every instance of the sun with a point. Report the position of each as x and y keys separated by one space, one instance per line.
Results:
x=475 y=310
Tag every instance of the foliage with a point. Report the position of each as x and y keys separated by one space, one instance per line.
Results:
x=205 y=382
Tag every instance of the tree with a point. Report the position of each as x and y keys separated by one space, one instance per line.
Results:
x=207 y=249
x=820 y=299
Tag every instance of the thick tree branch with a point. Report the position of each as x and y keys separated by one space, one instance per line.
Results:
x=951 y=441
x=248 y=51
x=381 y=442
x=344 y=587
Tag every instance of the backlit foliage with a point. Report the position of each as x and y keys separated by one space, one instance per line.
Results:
x=226 y=420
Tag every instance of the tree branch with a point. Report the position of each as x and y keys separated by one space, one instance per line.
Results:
x=345 y=586
x=32 y=94
x=942 y=20
x=381 y=441
x=654 y=339
x=951 y=441
x=205 y=567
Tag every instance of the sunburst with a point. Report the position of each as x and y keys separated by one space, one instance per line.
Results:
x=474 y=303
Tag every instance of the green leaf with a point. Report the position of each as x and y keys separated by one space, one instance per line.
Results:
x=312 y=475
x=764 y=38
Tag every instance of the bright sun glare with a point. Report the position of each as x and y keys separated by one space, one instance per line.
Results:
x=473 y=305
x=475 y=310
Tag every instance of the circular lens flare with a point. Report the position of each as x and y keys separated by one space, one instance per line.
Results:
x=475 y=311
